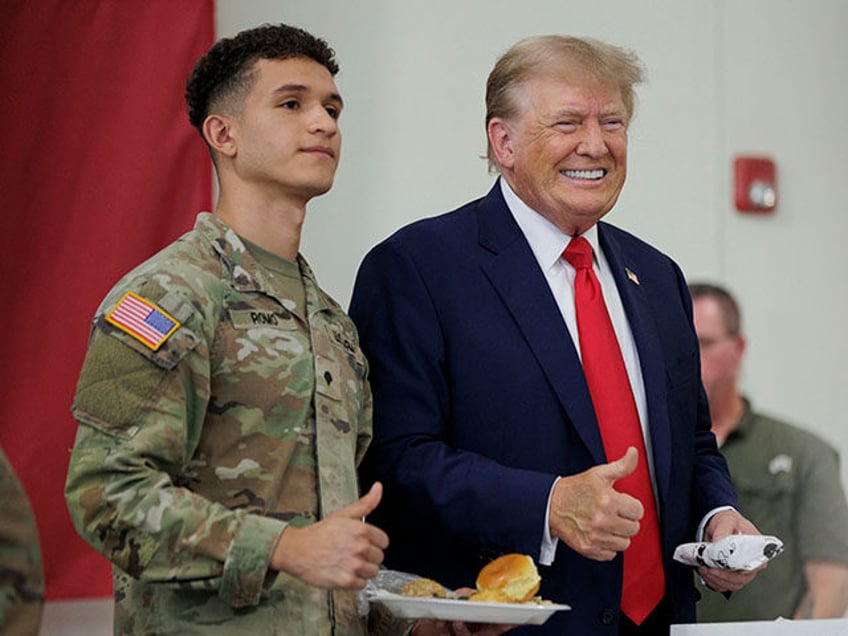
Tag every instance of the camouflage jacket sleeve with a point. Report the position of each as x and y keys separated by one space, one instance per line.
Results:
x=21 y=575
x=130 y=481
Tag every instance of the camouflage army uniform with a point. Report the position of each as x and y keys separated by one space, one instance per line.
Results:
x=192 y=458
x=21 y=574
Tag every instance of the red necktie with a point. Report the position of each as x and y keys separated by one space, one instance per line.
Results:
x=618 y=419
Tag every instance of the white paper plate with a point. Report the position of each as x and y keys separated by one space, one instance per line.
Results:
x=468 y=611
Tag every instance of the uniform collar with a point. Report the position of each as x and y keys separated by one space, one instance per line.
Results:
x=247 y=275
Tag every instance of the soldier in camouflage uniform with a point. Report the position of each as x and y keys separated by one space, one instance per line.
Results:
x=21 y=574
x=223 y=405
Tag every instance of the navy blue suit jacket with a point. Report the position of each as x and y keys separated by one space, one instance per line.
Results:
x=480 y=403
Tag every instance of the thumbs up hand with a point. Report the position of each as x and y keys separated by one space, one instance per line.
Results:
x=591 y=516
x=338 y=552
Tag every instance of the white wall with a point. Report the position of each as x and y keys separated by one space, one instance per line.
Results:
x=724 y=77
x=781 y=78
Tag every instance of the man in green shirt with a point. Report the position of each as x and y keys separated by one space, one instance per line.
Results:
x=787 y=480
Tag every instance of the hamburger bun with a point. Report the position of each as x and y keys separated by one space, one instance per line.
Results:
x=488 y=596
x=513 y=576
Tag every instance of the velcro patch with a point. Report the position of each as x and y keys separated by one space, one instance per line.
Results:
x=143 y=320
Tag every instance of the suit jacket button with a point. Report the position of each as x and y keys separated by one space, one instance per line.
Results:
x=608 y=617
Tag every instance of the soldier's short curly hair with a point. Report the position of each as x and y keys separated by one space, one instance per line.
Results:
x=224 y=73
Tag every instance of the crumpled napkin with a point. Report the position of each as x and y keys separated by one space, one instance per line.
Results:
x=733 y=552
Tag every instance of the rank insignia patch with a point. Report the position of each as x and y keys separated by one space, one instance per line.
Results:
x=142 y=320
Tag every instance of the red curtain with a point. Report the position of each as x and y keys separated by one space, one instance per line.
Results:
x=100 y=169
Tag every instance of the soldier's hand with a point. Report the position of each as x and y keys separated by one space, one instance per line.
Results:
x=341 y=551
x=590 y=515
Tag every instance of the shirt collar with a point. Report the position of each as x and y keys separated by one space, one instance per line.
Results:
x=746 y=422
x=546 y=240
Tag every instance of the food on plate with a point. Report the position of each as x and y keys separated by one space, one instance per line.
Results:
x=427 y=588
x=511 y=578
x=488 y=596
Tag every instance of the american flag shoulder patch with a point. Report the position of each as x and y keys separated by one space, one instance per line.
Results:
x=143 y=320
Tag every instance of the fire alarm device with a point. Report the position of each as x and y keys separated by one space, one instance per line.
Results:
x=755 y=184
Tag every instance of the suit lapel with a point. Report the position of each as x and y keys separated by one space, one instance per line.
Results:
x=515 y=275
x=632 y=285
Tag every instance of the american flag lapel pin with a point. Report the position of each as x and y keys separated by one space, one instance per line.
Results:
x=631 y=276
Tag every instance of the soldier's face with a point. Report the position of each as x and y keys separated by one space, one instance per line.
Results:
x=287 y=135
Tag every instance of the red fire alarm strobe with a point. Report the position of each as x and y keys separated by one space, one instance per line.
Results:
x=756 y=184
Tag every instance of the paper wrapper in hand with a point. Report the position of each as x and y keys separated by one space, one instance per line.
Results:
x=733 y=552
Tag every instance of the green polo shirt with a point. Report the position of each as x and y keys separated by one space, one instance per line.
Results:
x=789 y=486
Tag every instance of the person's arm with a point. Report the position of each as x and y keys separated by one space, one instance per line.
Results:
x=22 y=585
x=140 y=415
x=827 y=591
x=821 y=517
x=713 y=488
